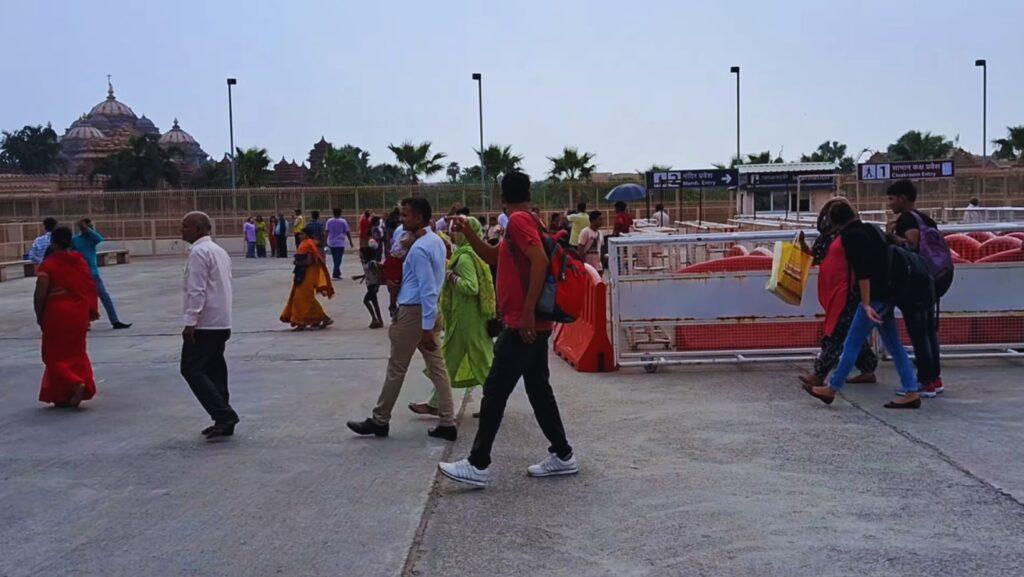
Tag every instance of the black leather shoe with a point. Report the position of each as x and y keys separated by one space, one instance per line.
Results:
x=122 y=325
x=446 y=433
x=219 y=430
x=368 y=427
x=915 y=404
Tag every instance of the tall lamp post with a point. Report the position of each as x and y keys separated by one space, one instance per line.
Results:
x=231 y=132
x=984 y=105
x=736 y=70
x=480 y=100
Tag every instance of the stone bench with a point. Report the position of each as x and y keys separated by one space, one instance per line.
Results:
x=120 y=256
x=28 y=267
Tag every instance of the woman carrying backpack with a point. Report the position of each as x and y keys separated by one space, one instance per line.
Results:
x=917 y=232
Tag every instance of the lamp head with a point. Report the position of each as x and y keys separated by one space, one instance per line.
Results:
x=477 y=76
x=735 y=69
x=232 y=81
x=980 y=62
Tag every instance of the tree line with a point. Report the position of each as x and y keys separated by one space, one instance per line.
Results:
x=143 y=164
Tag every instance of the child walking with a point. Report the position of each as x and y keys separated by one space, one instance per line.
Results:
x=372 y=278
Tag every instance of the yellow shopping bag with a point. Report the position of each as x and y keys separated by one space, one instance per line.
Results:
x=790 y=268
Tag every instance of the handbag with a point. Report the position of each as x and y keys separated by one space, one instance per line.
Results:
x=790 y=269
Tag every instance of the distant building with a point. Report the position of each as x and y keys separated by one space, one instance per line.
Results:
x=290 y=174
x=108 y=128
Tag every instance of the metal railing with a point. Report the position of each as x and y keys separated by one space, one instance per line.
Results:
x=661 y=313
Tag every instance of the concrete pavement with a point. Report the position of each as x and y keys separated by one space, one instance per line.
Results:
x=700 y=471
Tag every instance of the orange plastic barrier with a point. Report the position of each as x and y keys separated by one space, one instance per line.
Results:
x=584 y=344
x=1012 y=255
x=982 y=236
x=964 y=246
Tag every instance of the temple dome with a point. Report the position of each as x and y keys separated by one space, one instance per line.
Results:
x=176 y=136
x=83 y=131
x=111 y=106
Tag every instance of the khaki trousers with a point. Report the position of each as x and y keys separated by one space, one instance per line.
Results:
x=405 y=333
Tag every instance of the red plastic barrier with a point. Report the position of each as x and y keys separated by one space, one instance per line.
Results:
x=737 y=250
x=964 y=246
x=957 y=259
x=1012 y=255
x=982 y=236
x=997 y=245
x=762 y=251
x=731 y=264
x=743 y=336
x=584 y=344
x=1019 y=235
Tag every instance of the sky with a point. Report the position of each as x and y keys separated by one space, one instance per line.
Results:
x=636 y=83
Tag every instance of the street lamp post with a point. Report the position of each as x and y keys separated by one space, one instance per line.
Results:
x=984 y=105
x=231 y=132
x=480 y=100
x=736 y=70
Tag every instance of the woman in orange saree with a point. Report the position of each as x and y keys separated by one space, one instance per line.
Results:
x=65 y=303
x=310 y=278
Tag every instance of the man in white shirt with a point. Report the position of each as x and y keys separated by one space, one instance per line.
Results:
x=660 y=217
x=37 y=253
x=591 y=241
x=207 y=315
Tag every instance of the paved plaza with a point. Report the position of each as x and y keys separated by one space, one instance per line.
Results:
x=691 y=471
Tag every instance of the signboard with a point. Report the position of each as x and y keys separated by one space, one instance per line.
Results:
x=788 y=180
x=912 y=170
x=716 y=178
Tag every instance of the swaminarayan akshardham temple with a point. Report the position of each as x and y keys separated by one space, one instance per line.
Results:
x=108 y=127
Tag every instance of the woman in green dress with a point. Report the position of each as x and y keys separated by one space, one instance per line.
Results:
x=261 y=237
x=467 y=304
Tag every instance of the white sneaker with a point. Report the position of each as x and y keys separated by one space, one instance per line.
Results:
x=463 y=472
x=552 y=465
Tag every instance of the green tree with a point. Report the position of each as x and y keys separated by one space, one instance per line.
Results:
x=831 y=152
x=251 y=166
x=345 y=166
x=916 y=145
x=386 y=173
x=31 y=150
x=1011 y=147
x=418 y=159
x=453 y=171
x=470 y=175
x=759 y=158
x=211 y=175
x=499 y=161
x=143 y=165
x=572 y=166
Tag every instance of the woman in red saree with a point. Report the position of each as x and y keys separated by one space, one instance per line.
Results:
x=302 y=310
x=65 y=304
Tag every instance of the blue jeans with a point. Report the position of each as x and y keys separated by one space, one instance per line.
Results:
x=337 y=253
x=860 y=330
x=250 y=250
x=108 y=304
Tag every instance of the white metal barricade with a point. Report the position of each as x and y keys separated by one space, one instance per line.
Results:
x=661 y=315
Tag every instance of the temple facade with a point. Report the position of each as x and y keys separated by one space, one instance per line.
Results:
x=109 y=126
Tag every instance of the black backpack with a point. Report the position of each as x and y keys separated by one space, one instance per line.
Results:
x=911 y=284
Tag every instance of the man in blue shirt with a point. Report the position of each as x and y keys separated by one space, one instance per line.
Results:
x=416 y=326
x=85 y=242
x=37 y=253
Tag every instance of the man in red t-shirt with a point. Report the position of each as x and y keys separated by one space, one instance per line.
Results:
x=623 y=221
x=522 y=347
x=364 y=229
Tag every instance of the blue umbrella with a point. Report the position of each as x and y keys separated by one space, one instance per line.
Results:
x=626 y=192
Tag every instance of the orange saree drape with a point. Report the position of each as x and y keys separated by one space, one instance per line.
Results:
x=302 y=308
x=69 y=306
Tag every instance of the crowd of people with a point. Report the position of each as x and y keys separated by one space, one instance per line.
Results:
x=464 y=293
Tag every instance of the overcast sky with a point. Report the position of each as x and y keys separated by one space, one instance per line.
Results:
x=636 y=82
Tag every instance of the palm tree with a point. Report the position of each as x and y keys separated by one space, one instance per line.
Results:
x=916 y=145
x=453 y=171
x=572 y=166
x=831 y=152
x=144 y=164
x=499 y=161
x=31 y=150
x=346 y=166
x=418 y=159
x=251 y=165
x=759 y=158
x=1011 y=147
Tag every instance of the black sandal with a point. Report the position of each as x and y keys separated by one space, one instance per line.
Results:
x=915 y=404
